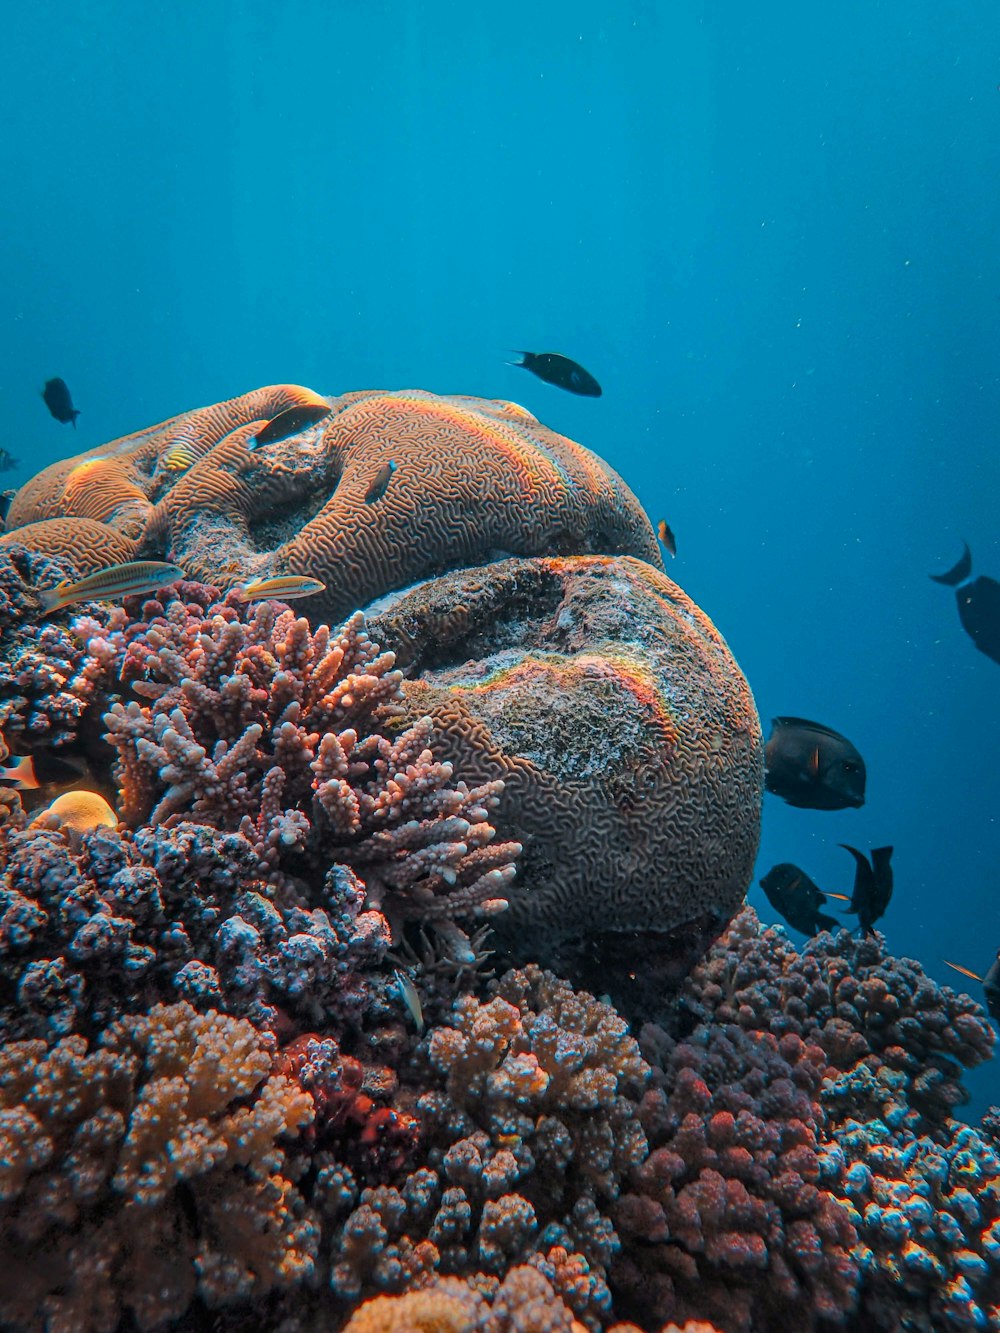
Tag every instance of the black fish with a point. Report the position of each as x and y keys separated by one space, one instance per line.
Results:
x=8 y=463
x=289 y=423
x=792 y=893
x=560 y=371
x=872 y=885
x=57 y=399
x=978 y=604
x=812 y=766
x=380 y=484
x=5 y=501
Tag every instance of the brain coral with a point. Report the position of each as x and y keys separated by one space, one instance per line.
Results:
x=624 y=732
x=474 y=477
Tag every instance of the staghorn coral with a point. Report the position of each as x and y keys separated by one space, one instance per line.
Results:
x=628 y=744
x=261 y=726
x=473 y=476
x=120 y=922
x=146 y=1172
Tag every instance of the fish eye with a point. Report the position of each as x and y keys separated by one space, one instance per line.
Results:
x=850 y=766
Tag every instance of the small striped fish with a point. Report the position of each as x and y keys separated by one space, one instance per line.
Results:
x=179 y=457
x=109 y=584
x=284 y=587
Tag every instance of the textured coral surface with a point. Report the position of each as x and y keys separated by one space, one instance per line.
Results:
x=624 y=732
x=473 y=477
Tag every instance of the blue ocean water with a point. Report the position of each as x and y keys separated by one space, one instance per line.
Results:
x=771 y=232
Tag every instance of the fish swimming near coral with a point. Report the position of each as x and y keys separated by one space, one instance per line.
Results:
x=43 y=769
x=795 y=897
x=872 y=885
x=284 y=587
x=59 y=401
x=380 y=483
x=978 y=604
x=813 y=767
x=560 y=371
x=292 y=421
x=128 y=580
x=990 y=984
x=666 y=536
x=410 y=996
x=8 y=463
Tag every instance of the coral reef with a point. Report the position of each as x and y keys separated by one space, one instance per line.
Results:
x=473 y=477
x=627 y=741
x=146 y=1171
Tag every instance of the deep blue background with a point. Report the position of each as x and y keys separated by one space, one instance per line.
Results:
x=770 y=231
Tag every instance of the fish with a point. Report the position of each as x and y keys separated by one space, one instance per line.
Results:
x=8 y=463
x=410 y=996
x=42 y=769
x=666 y=536
x=179 y=457
x=872 y=885
x=137 y=576
x=795 y=897
x=21 y=773
x=813 y=767
x=59 y=401
x=283 y=586
x=560 y=371
x=380 y=483
x=978 y=604
x=292 y=421
x=6 y=499
x=990 y=983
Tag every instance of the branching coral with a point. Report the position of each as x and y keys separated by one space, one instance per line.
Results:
x=262 y=726
x=119 y=922
x=146 y=1171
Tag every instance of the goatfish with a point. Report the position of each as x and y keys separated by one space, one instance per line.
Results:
x=410 y=996
x=179 y=457
x=128 y=580
x=990 y=983
x=283 y=586
x=666 y=536
x=380 y=482
x=292 y=421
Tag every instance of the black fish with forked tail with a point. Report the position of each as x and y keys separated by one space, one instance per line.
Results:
x=560 y=371
x=978 y=604
x=59 y=401
x=872 y=885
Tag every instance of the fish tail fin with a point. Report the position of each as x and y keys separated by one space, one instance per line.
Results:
x=76 y=413
x=51 y=598
x=522 y=364
x=22 y=773
x=959 y=572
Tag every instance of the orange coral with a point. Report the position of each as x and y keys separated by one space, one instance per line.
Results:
x=147 y=1171
x=473 y=477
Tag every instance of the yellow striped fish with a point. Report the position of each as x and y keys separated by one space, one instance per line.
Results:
x=284 y=587
x=109 y=584
x=179 y=457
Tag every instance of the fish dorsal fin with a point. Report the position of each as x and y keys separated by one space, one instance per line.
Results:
x=780 y=722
